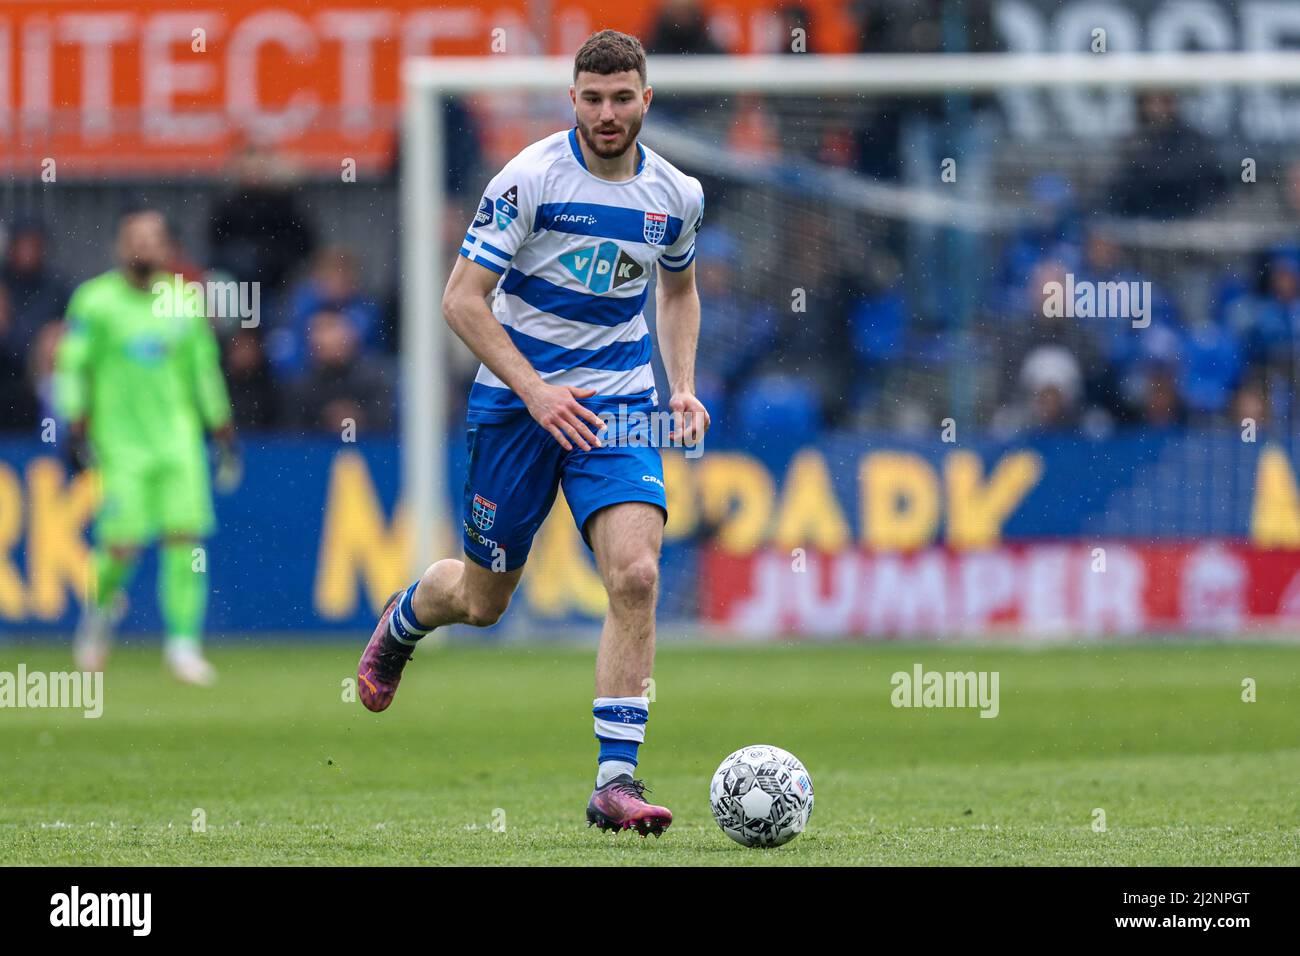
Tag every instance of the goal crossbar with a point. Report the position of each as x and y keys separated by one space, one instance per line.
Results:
x=885 y=73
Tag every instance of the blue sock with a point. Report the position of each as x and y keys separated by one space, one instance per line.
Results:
x=403 y=624
x=620 y=728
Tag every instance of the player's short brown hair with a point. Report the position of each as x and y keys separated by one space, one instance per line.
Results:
x=609 y=52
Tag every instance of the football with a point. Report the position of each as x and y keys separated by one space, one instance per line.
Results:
x=762 y=796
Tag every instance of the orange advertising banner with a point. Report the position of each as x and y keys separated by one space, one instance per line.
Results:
x=92 y=88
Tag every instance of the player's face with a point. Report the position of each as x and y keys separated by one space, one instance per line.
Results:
x=142 y=243
x=609 y=110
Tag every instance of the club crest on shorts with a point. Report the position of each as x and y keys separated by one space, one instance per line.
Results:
x=656 y=225
x=485 y=513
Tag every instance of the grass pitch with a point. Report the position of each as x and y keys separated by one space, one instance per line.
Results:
x=486 y=758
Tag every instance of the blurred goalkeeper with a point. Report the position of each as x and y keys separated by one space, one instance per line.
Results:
x=138 y=381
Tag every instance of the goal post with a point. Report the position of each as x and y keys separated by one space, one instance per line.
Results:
x=426 y=80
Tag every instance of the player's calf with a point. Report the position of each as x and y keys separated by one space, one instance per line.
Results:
x=449 y=592
x=463 y=592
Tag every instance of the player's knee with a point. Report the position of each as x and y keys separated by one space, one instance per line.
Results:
x=484 y=611
x=635 y=582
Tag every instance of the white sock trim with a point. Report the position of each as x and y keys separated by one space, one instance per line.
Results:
x=621 y=723
x=641 y=702
x=609 y=769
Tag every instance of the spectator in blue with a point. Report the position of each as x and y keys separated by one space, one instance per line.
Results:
x=333 y=285
x=878 y=325
x=738 y=330
x=40 y=369
x=1051 y=234
x=1212 y=370
x=17 y=412
x=1268 y=321
x=813 y=323
x=254 y=397
x=1156 y=365
x=341 y=388
x=1103 y=263
x=1162 y=403
x=1049 y=396
x=37 y=295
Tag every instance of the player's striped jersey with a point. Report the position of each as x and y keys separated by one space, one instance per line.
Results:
x=575 y=253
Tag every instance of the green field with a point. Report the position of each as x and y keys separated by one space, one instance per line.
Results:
x=286 y=772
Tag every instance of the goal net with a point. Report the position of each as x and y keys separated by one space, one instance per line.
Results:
x=908 y=256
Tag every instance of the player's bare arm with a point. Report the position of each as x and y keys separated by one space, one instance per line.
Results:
x=678 y=311
x=556 y=408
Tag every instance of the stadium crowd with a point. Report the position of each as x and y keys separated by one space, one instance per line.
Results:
x=320 y=351
x=867 y=350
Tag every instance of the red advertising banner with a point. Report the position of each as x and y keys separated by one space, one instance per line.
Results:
x=100 y=86
x=1038 y=590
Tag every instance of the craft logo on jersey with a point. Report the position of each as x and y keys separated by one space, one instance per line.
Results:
x=507 y=207
x=656 y=225
x=603 y=267
x=485 y=513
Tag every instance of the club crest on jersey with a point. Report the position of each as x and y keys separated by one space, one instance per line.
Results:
x=603 y=267
x=656 y=226
x=485 y=513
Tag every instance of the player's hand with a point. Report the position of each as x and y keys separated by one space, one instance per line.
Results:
x=690 y=419
x=230 y=461
x=76 y=448
x=557 y=409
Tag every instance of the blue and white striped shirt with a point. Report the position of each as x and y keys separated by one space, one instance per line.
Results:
x=575 y=253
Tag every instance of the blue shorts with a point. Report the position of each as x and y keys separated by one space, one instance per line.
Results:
x=515 y=467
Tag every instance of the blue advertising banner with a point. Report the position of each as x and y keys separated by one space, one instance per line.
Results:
x=314 y=539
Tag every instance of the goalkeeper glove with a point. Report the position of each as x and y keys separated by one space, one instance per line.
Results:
x=230 y=462
x=76 y=449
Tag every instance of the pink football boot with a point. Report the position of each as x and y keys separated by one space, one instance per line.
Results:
x=619 y=805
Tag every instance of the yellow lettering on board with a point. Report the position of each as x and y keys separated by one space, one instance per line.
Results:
x=357 y=541
x=809 y=513
x=13 y=597
x=1275 y=515
x=736 y=495
x=679 y=483
x=978 y=509
x=900 y=501
x=57 y=555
